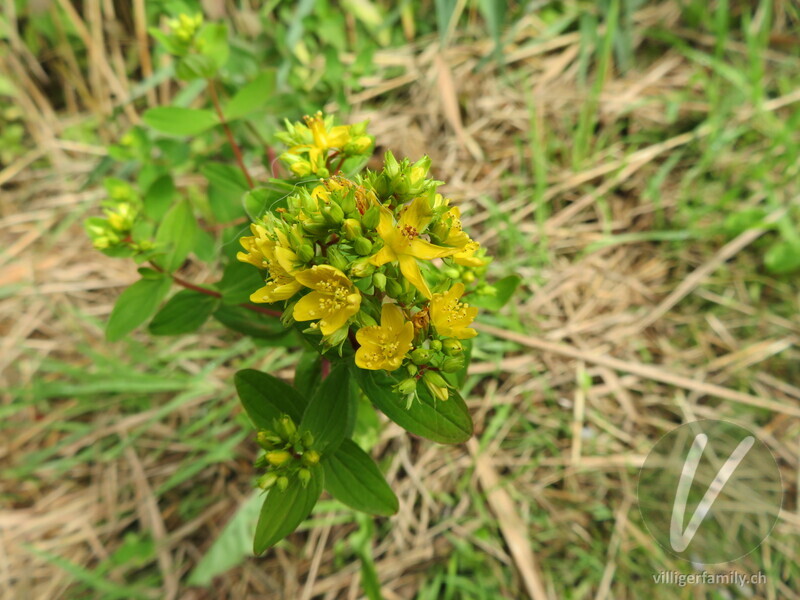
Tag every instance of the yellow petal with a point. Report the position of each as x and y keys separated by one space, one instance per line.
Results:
x=333 y=322
x=384 y=255
x=308 y=307
x=392 y=318
x=427 y=251
x=417 y=214
x=410 y=270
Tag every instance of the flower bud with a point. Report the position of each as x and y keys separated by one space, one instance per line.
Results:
x=333 y=214
x=267 y=481
x=468 y=277
x=278 y=457
x=308 y=439
x=337 y=259
x=362 y=246
x=268 y=440
x=451 y=272
x=306 y=253
x=421 y=356
x=407 y=386
x=453 y=364
x=283 y=483
x=452 y=347
x=436 y=345
x=379 y=281
x=412 y=369
x=348 y=203
x=314 y=227
x=361 y=268
x=286 y=426
x=352 y=229
x=311 y=458
x=371 y=218
x=393 y=288
x=305 y=476
x=436 y=385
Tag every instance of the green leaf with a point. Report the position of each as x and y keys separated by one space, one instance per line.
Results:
x=251 y=323
x=174 y=120
x=185 y=312
x=205 y=246
x=196 y=66
x=284 y=510
x=252 y=97
x=170 y=45
x=226 y=184
x=135 y=305
x=331 y=410
x=503 y=292
x=159 y=197
x=176 y=235
x=232 y=546
x=213 y=42
x=353 y=478
x=446 y=422
x=782 y=257
x=265 y=398
x=308 y=373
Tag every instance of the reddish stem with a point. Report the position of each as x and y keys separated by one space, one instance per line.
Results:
x=237 y=152
x=325 y=368
x=203 y=290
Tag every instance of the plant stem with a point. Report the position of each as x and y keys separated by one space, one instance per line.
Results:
x=208 y=292
x=237 y=152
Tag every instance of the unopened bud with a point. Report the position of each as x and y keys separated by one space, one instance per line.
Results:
x=421 y=356
x=311 y=457
x=393 y=288
x=452 y=347
x=305 y=476
x=361 y=268
x=434 y=378
x=308 y=439
x=267 y=440
x=337 y=259
x=468 y=277
x=362 y=246
x=287 y=426
x=371 y=217
x=278 y=457
x=267 y=481
x=407 y=386
x=283 y=483
x=436 y=345
x=352 y=229
x=453 y=364
x=333 y=214
x=439 y=390
x=379 y=281
x=412 y=369
x=306 y=253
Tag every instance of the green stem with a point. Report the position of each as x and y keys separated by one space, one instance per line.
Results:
x=237 y=152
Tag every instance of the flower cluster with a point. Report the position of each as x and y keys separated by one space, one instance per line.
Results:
x=288 y=453
x=313 y=143
x=116 y=234
x=375 y=262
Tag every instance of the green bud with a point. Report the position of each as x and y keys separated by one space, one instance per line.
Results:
x=452 y=347
x=306 y=253
x=452 y=364
x=287 y=426
x=434 y=378
x=348 y=203
x=308 y=439
x=407 y=386
x=268 y=440
x=352 y=229
x=314 y=227
x=305 y=476
x=361 y=268
x=283 y=483
x=436 y=385
x=333 y=214
x=267 y=481
x=311 y=458
x=412 y=369
x=468 y=277
x=379 y=281
x=421 y=356
x=278 y=457
x=394 y=288
x=436 y=345
x=451 y=272
x=337 y=259
x=371 y=217
x=362 y=246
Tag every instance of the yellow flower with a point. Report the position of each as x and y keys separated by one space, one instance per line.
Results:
x=455 y=234
x=402 y=243
x=333 y=301
x=384 y=346
x=466 y=257
x=276 y=257
x=324 y=138
x=450 y=316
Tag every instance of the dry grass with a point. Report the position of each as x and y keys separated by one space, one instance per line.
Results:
x=662 y=335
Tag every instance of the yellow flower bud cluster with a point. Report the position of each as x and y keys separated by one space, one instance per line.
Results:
x=376 y=263
x=185 y=27
x=288 y=453
x=122 y=208
x=318 y=147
